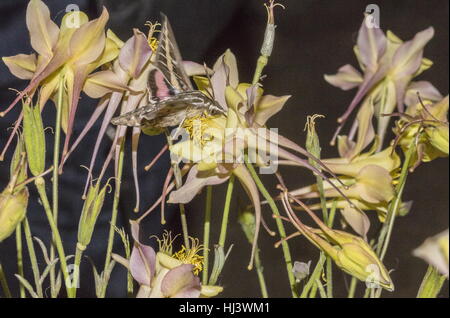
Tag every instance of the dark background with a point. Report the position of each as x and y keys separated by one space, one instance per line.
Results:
x=313 y=38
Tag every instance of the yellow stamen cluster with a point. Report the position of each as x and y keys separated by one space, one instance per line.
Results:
x=196 y=126
x=191 y=255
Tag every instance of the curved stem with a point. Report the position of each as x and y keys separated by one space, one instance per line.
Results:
x=115 y=211
x=206 y=232
x=386 y=231
x=226 y=211
x=280 y=227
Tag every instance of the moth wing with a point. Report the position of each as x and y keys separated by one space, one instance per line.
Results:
x=168 y=59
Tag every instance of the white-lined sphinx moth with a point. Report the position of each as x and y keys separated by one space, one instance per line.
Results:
x=174 y=99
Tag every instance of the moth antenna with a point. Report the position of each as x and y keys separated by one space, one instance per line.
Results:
x=212 y=95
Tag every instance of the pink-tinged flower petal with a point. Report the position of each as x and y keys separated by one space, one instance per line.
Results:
x=346 y=78
x=101 y=83
x=142 y=263
x=134 y=226
x=195 y=181
x=142 y=260
x=43 y=31
x=134 y=152
x=194 y=69
x=88 y=42
x=225 y=74
x=74 y=92
x=22 y=66
x=268 y=106
x=252 y=190
x=358 y=220
x=95 y=115
x=365 y=136
x=425 y=89
x=408 y=57
x=114 y=101
x=135 y=54
x=181 y=282
x=372 y=45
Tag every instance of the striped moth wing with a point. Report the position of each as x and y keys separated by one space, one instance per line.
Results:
x=173 y=97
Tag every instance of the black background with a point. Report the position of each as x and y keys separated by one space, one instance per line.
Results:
x=313 y=38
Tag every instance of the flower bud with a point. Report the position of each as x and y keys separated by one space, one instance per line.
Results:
x=358 y=259
x=34 y=136
x=91 y=209
x=13 y=207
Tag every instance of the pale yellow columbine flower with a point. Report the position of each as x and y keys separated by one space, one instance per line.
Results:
x=425 y=123
x=388 y=66
x=369 y=177
x=66 y=55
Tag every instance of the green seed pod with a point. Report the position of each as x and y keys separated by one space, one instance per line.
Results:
x=34 y=136
x=91 y=209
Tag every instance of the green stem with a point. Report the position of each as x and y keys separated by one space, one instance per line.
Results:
x=386 y=231
x=226 y=211
x=178 y=184
x=311 y=284
x=40 y=185
x=329 y=263
x=314 y=276
x=280 y=227
x=259 y=270
x=115 y=211
x=33 y=258
x=206 y=232
x=260 y=64
x=76 y=269
x=20 y=258
x=351 y=292
x=322 y=291
x=55 y=174
x=431 y=284
x=4 y=283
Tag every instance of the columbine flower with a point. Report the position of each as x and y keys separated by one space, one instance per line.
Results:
x=435 y=251
x=215 y=145
x=425 y=123
x=164 y=274
x=388 y=66
x=66 y=55
x=349 y=252
x=368 y=177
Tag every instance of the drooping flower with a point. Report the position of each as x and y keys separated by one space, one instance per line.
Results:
x=350 y=253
